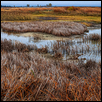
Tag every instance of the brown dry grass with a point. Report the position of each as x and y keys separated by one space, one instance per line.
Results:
x=42 y=50
x=95 y=11
x=91 y=9
x=36 y=37
x=25 y=9
x=30 y=77
x=59 y=9
x=55 y=9
x=55 y=28
x=33 y=14
x=58 y=55
x=9 y=46
x=94 y=37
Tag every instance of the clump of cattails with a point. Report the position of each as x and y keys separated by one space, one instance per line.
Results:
x=9 y=46
x=42 y=50
x=94 y=37
x=90 y=64
x=58 y=55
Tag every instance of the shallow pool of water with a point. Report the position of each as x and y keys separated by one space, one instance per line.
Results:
x=97 y=31
x=89 y=55
x=25 y=40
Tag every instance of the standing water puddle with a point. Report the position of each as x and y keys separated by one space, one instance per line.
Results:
x=25 y=40
x=93 y=53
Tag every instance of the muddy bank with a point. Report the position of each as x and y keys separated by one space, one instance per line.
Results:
x=55 y=28
x=45 y=36
x=94 y=26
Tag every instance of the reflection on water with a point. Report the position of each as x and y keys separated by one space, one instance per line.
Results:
x=97 y=31
x=90 y=49
x=25 y=40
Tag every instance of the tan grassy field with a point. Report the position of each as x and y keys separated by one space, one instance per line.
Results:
x=82 y=14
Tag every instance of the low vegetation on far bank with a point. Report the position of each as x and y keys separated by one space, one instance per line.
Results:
x=82 y=14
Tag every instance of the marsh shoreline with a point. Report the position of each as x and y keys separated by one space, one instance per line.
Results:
x=62 y=28
x=46 y=36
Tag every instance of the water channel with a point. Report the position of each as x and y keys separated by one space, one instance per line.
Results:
x=94 y=53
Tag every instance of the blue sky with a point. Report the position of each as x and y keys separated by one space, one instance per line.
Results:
x=54 y=3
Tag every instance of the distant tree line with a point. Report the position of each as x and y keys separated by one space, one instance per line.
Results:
x=47 y=5
x=5 y=6
x=28 y=5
